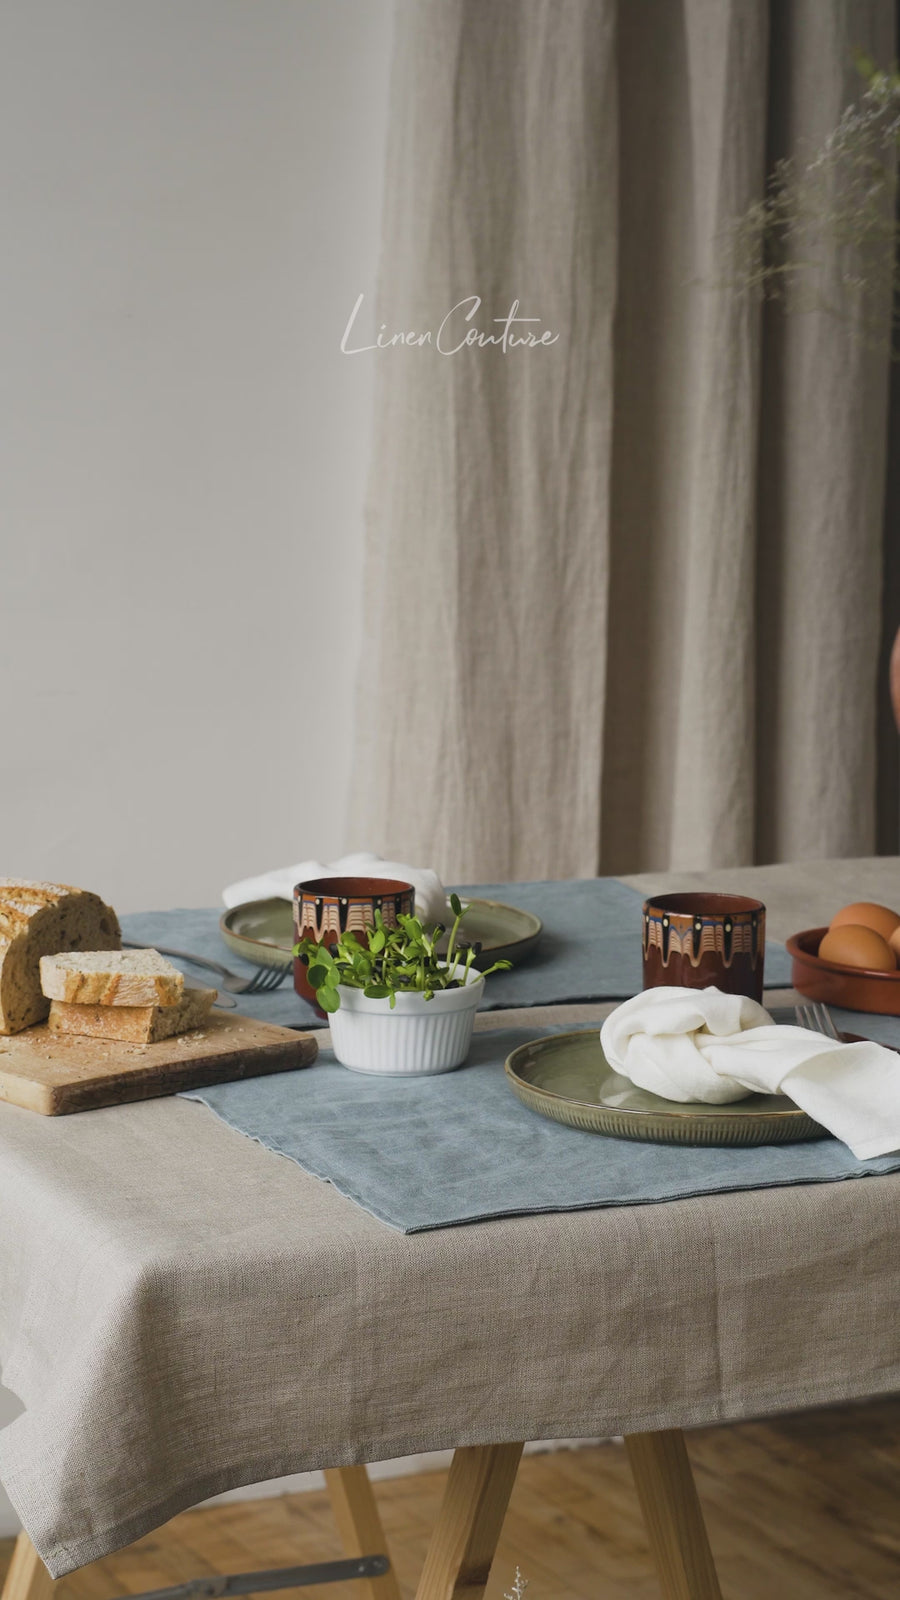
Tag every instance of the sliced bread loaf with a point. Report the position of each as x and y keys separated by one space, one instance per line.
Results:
x=125 y=978
x=133 y=1024
x=37 y=919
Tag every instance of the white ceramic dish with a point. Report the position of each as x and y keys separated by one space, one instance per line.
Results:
x=418 y=1038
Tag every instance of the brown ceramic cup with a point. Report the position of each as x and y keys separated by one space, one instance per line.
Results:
x=695 y=940
x=324 y=908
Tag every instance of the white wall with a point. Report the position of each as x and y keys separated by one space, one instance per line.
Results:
x=189 y=206
x=190 y=197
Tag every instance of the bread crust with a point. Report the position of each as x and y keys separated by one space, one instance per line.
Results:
x=38 y=919
x=128 y=978
x=133 y=1024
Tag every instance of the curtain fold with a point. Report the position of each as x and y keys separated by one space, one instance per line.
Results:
x=679 y=764
x=622 y=590
x=822 y=484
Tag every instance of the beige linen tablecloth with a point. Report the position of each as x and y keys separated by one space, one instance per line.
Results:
x=182 y=1311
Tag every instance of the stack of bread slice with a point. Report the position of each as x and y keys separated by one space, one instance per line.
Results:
x=132 y=995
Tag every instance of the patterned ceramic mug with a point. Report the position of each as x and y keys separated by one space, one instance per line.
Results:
x=324 y=908
x=694 y=940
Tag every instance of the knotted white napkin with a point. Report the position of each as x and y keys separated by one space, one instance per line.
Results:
x=431 y=896
x=700 y=1044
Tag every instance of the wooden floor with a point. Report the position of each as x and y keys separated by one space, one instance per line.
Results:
x=803 y=1509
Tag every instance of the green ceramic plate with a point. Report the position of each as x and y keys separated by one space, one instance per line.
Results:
x=568 y=1078
x=263 y=930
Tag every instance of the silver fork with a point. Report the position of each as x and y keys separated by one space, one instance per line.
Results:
x=818 y=1019
x=263 y=981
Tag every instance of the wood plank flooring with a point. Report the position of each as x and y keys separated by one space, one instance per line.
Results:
x=806 y=1508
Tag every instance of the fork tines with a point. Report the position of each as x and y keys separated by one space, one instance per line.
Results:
x=266 y=979
x=818 y=1019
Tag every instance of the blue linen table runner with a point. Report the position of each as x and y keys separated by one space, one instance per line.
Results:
x=589 y=950
x=430 y=1152
x=590 y=947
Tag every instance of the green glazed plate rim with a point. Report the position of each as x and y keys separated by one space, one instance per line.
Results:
x=755 y=1120
x=506 y=932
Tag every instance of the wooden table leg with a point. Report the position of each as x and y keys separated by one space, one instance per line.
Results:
x=668 y=1496
x=359 y=1525
x=27 y=1578
x=462 y=1546
x=460 y=1552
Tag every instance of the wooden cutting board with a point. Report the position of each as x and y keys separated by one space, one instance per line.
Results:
x=55 y=1073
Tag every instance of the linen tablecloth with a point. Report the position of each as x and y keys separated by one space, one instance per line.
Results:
x=181 y=1311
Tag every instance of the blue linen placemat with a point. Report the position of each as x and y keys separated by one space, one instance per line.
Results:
x=590 y=949
x=884 y=1030
x=430 y=1152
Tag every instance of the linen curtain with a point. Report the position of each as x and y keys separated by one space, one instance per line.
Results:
x=623 y=592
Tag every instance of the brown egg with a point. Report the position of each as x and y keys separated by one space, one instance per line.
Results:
x=894 y=942
x=851 y=946
x=866 y=914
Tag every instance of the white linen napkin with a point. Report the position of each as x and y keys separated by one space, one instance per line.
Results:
x=431 y=896
x=701 y=1044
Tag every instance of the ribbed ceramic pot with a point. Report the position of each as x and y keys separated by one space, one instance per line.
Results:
x=417 y=1038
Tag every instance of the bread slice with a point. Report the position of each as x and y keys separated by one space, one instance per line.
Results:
x=126 y=978
x=133 y=1024
x=38 y=919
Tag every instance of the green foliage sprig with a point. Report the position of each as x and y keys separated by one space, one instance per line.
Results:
x=392 y=961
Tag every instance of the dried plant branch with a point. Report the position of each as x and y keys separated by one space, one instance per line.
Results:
x=519 y=1585
x=825 y=235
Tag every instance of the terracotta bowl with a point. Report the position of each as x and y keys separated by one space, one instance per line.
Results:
x=855 y=988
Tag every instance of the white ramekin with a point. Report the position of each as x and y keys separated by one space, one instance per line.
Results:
x=418 y=1037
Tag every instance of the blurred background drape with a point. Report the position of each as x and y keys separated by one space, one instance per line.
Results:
x=624 y=593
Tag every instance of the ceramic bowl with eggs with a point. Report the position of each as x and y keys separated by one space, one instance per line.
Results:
x=855 y=962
